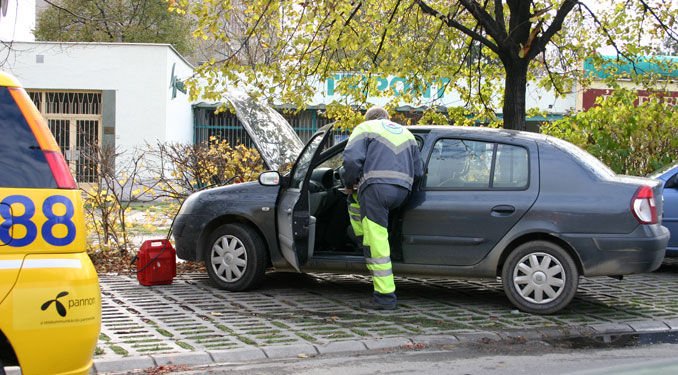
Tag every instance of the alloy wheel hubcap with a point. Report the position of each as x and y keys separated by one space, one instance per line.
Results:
x=539 y=278
x=228 y=258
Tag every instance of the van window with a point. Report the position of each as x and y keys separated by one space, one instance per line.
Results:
x=22 y=162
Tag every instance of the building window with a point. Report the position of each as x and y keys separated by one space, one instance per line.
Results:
x=225 y=125
x=74 y=117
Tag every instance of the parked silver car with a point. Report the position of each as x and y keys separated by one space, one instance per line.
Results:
x=534 y=210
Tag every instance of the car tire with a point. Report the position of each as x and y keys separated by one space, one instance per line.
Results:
x=540 y=277
x=235 y=257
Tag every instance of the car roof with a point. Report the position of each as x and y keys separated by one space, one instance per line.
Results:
x=8 y=80
x=478 y=131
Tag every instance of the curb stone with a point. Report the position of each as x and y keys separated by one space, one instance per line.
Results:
x=386 y=343
x=122 y=364
x=237 y=355
x=291 y=352
x=672 y=324
x=192 y=359
x=649 y=326
x=341 y=346
x=431 y=340
x=612 y=328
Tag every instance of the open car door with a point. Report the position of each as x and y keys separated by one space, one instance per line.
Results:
x=296 y=226
x=279 y=145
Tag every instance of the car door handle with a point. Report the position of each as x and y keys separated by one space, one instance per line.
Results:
x=503 y=210
x=288 y=211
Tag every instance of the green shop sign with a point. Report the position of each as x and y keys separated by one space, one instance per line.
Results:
x=398 y=85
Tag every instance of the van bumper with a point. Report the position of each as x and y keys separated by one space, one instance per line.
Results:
x=54 y=314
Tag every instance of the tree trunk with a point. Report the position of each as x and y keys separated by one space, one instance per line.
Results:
x=515 y=87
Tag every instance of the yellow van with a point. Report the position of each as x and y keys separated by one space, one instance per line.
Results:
x=50 y=303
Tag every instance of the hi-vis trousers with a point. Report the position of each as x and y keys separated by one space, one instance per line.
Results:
x=368 y=212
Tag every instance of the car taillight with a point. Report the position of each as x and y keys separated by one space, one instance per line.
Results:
x=62 y=174
x=643 y=206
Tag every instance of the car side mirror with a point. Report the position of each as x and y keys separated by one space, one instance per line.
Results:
x=672 y=182
x=269 y=178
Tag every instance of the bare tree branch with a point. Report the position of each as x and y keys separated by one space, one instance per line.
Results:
x=553 y=28
x=383 y=35
x=454 y=24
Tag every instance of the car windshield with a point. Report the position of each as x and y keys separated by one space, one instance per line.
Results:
x=588 y=161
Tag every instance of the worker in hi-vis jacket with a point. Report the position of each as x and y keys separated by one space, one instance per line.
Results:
x=381 y=162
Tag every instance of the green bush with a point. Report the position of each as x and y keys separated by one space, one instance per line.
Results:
x=631 y=139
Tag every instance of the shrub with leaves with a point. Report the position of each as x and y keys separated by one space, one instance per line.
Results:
x=108 y=200
x=182 y=169
x=631 y=139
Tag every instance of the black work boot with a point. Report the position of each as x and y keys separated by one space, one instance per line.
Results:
x=371 y=304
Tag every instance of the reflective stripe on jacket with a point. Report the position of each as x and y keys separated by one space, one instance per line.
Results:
x=381 y=151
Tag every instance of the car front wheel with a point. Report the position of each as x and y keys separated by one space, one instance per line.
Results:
x=235 y=257
x=540 y=277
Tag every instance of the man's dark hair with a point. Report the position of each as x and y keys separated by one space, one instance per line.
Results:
x=376 y=113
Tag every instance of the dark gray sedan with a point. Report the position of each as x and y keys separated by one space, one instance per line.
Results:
x=534 y=210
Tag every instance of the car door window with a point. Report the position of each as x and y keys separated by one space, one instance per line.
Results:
x=511 y=169
x=304 y=161
x=457 y=163
x=468 y=164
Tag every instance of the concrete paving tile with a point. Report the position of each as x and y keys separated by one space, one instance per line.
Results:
x=649 y=326
x=122 y=364
x=193 y=359
x=237 y=355
x=611 y=328
x=289 y=351
x=386 y=343
x=294 y=317
x=341 y=346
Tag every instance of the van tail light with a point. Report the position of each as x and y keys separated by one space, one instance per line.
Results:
x=643 y=206
x=62 y=174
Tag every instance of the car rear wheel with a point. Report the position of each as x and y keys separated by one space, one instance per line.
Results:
x=235 y=257
x=540 y=277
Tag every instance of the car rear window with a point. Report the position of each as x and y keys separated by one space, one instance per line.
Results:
x=586 y=160
x=22 y=162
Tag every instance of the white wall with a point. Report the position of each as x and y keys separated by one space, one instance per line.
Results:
x=138 y=73
x=179 y=111
x=17 y=20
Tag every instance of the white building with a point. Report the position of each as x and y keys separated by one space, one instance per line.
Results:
x=114 y=94
x=17 y=20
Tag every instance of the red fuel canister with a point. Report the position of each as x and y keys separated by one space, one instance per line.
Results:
x=156 y=262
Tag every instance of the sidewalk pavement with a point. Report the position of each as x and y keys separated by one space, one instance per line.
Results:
x=192 y=323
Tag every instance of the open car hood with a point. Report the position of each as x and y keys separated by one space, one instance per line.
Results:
x=275 y=139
